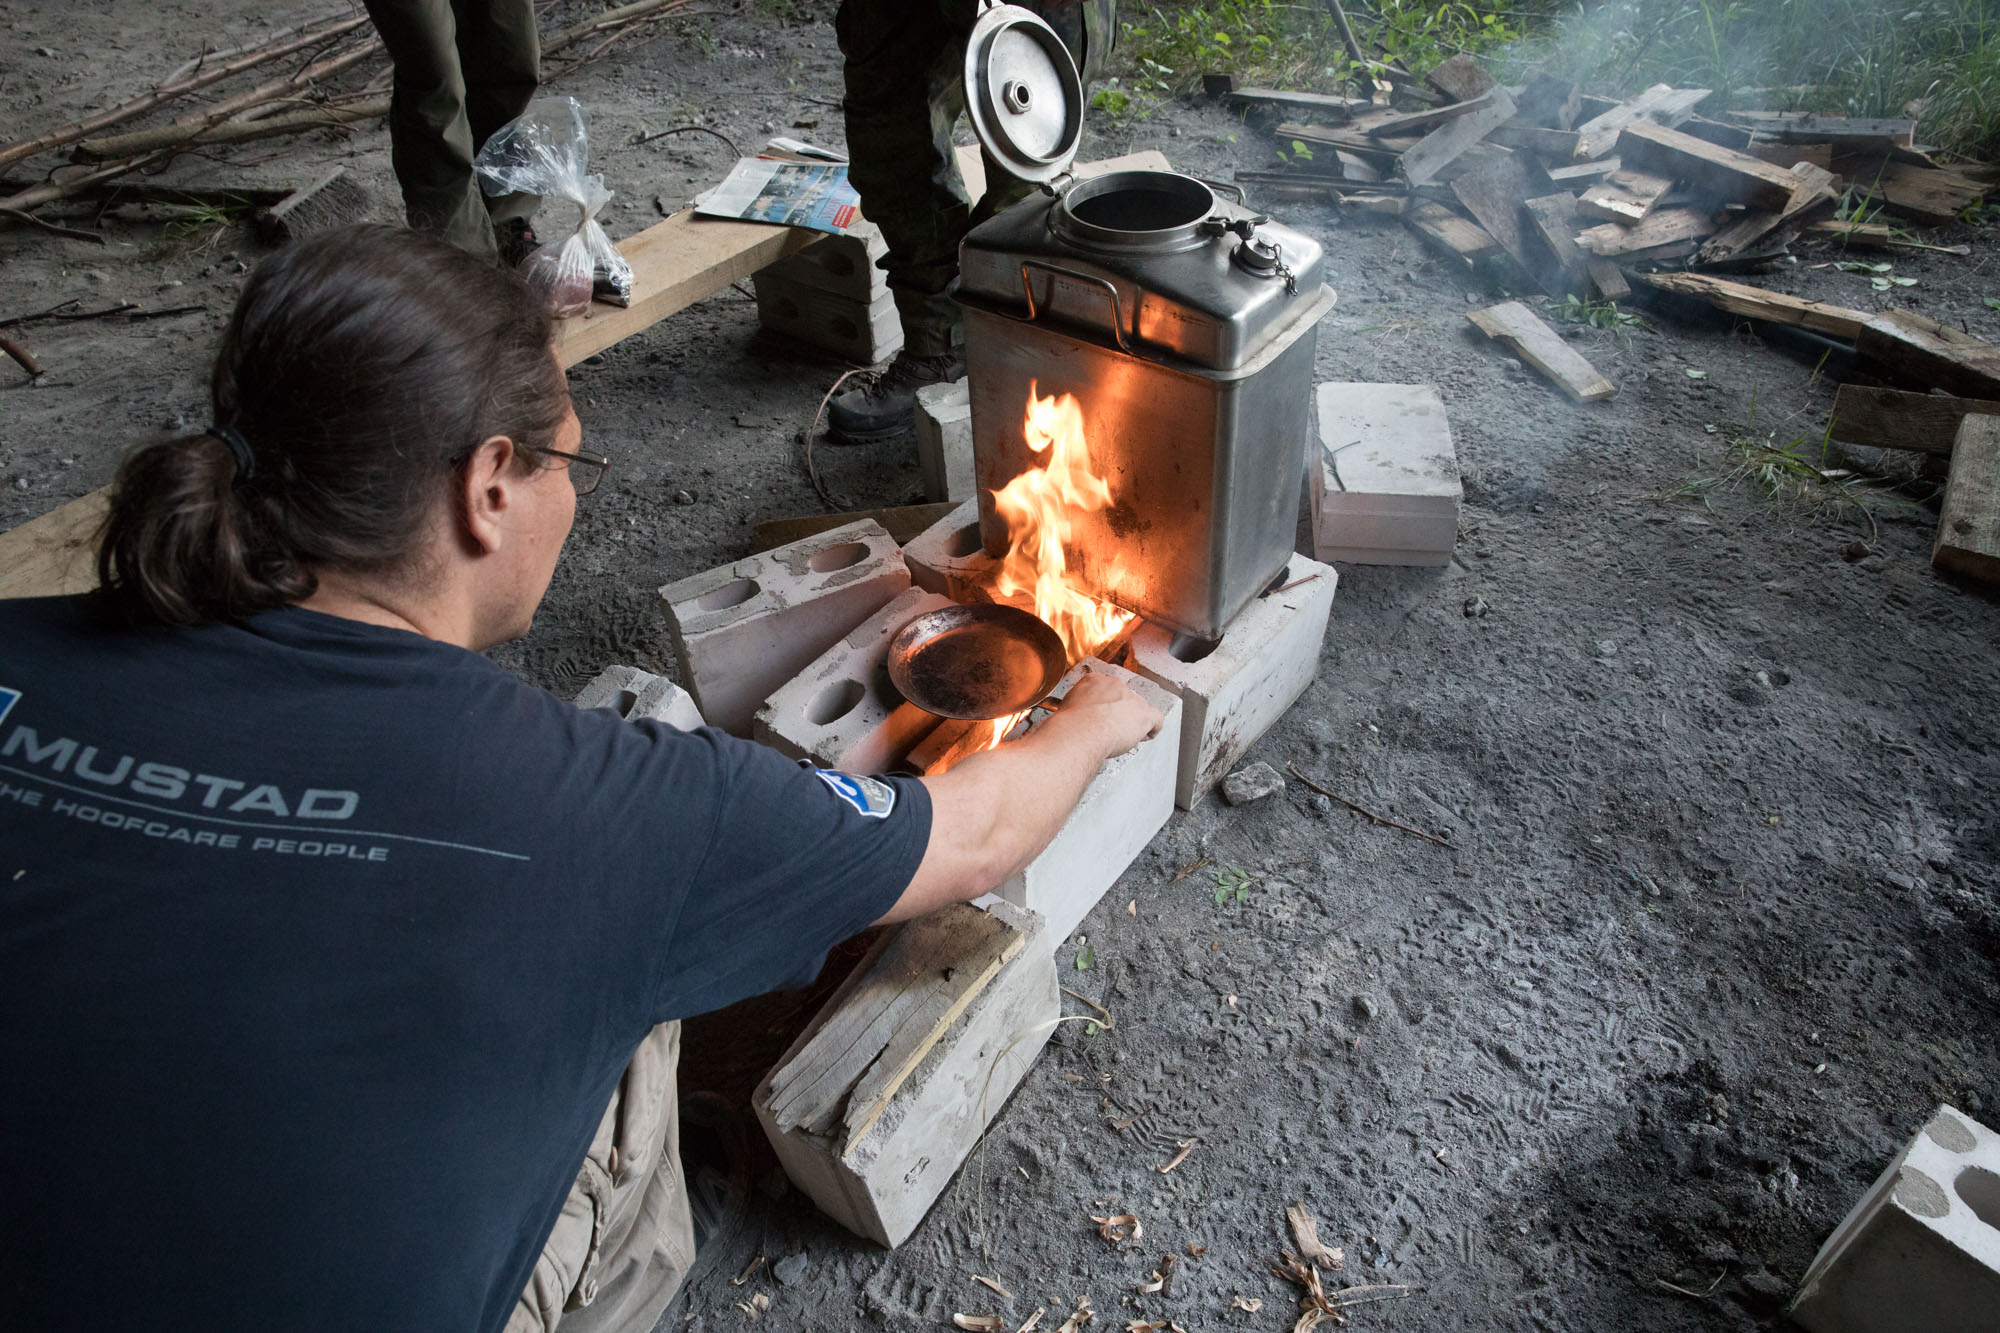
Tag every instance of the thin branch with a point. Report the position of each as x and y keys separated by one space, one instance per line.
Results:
x=1293 y=769
x=70 y=232
x=688 y=129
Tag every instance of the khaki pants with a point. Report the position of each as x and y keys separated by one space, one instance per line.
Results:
x=463 y=68
x=626 y=1237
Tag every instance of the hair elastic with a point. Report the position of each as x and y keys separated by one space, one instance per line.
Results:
x=246 y=462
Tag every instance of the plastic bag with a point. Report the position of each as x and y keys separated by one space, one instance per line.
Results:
x=544 y=151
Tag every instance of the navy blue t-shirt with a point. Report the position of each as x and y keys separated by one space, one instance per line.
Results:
x=322 y=947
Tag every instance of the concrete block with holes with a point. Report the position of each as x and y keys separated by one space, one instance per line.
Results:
x=1921 y=1252
x=864 y=332
x=1384 y=476
x=634 y=695
x=876 y=1162
x=1231 y=692
x=741 y=631
x=842 y=711
x=1123 y=807
x=946 y=557
x=843 y=265
x=944 y=441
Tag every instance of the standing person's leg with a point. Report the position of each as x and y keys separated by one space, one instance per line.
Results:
x=430 y=140
x=500 y=53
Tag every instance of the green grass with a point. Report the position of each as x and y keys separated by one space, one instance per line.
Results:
x=1867 y=58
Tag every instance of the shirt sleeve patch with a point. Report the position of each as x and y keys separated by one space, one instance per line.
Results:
x=872 y=798
x=8 y=698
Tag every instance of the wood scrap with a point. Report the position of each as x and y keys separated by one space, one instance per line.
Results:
x=1809 y=127
x=56 y=554
x=1716 y=132
x=1413 y=122
x=1968 y=533
x=1785 y=154
x=1660 y=104
x=14 y=348
x=1923 y=352
x=1460 y=78
x=1624 y=196
x=1550 y=145
x=1449 y=233
x=1739 y=298
x=1547 y=102
x=1586 y=173
x=1876 y=235
x=1929 y=195
x=1813 y=195
x=1724 y=172
x=1665 y=226
x=1492 y=194
x=1314 y=104
x=1377 y=151
x=1446 y=143
x=1518 y=327
x=1924 y=423
x=1553 y=218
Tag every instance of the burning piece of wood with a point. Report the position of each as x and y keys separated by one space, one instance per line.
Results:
x=1536 y=343
x=1739 y=298
x=1968 y=535
x=1925 y=423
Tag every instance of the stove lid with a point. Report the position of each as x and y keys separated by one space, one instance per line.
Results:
x=1023 y=93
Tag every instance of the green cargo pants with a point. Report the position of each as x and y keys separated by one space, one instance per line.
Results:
x=905 y=63
x=463 y=68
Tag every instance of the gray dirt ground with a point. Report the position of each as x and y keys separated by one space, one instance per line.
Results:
x=1718 y=922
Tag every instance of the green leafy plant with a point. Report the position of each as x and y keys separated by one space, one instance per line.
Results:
x=197 y=229
x=1232 y=885
x=1086 y=956
x=1574 y=309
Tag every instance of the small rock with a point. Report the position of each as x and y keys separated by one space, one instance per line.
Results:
x=1475 y=607
x=1854 y=551
x=95 y=277
x=20 y=483
x=45 y=52
x=1321 y=806
x=1606 y=648
x=1766 y=1288
x=1174 y=132
x=1510 y=365
x=1973 y=1102
x=791 y=1271
x=1874 y=564
x=1364 y=1007
x=1252 y=782
x=683 y=497
x=1763 y=678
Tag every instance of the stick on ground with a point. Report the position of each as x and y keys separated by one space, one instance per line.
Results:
x=1358 y=809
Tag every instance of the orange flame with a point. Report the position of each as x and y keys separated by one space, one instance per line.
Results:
x=1040 y=507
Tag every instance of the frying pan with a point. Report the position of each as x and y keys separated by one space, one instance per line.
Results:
x=976 y=662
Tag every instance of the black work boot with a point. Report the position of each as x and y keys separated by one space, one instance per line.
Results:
x=887 y=405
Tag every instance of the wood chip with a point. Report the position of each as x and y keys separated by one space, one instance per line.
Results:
x=748 y=1269
x=993 y=1287
x=1536 y=343
x=1034 y=1321
x=980 y=1323
x=1251 y=1304
x=1119 y=1227
x=1186 y=1146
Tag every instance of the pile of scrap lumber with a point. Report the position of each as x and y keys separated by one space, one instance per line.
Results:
x=1573 y=189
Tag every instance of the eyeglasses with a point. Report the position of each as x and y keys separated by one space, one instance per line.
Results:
x=586 y=481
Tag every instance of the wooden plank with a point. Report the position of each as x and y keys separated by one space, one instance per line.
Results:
x=1737 y=177
x=1740 y=298
x=1660 y=104
x=904 y=522
x=1936 y=356
x=1536 y=343
x=1547 y=102
x=1627 y=196
x=1877 y=235
x=1785 y=154
x=1353 y=141
x=1549 y=145
x=1553 y=218
x=1924 y=423
x=1413 y=122
x=1445 y=143
x=960 y=972
x=1460 y=78
x=1312 y=104
x=1813 y=195
x=1450 y=233
x=1667 y=226
x=1716 y=132
x=1493 y=192
x=1929 y=195
x=1968 y=534
x=1810 y=127
x=1586 y=173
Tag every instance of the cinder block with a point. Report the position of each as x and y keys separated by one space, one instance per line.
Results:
x=1921 y=1252
x=1385 y=487
x=842 y=711
x=881 y=1183
x=634 y=694
x=1232 y=692
x=1123 y=807
x=946 y=557
x=944 y=441
x=861 y=331
x=843 y=265
x=741 y=631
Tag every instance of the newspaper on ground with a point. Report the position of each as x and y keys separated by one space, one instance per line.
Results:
x=796 y=194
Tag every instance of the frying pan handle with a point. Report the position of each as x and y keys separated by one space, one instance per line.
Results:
x=1110 y=292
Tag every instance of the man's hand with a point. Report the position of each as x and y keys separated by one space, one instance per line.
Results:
x=994 y=812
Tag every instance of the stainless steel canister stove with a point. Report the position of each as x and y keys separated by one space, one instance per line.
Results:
x=1183 y=325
